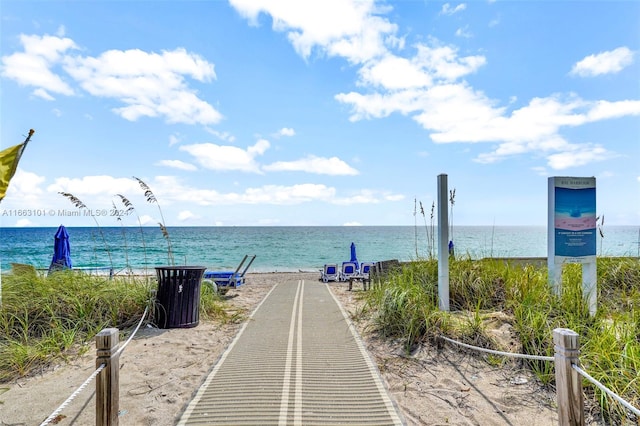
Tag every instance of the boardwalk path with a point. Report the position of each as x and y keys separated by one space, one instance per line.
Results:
x=297 y=361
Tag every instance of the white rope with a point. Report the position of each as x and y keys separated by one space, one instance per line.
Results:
x=73 y=395
x=603 y=388
x=509 y=354
x=119 y=351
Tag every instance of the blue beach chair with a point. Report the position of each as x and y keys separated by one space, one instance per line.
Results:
x=229 y=279
x=329 y=273
x=349 y=269
x=365 y=269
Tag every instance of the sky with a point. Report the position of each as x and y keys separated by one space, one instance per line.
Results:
x=317 y=113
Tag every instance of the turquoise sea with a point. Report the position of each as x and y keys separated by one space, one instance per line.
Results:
x=282 y=249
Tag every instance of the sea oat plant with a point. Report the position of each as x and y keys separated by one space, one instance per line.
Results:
x=129 y=208
x=82 y=206
x=151 y=198
x=452 y=201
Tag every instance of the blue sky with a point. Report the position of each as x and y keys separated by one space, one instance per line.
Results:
x=332 y=112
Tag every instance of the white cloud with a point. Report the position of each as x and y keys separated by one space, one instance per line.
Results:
x=294 y=194
x=351 y=29
x=177 y=164
x=33 y=66
x=286 y=131
x=578 y=155
x=444 y=63
x=312 y=164
x=148 y=84
x=227 y=158
x=41 y=93
x=223 y=136
x=455 y=113
x=604 y=110
x=23 y=223
x=464 y=32
x=172 y=190
x=148 y=220
x=186 y=215
x=352 y=224
x=432 y=64
x=394 y=72
x=94 y=185
x=394 y=197
x=366 y=196
x=267 y=194
x=25 y=185
x=448 y=10
x=610 y=62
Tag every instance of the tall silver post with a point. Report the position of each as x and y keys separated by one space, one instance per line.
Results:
x=443 y=243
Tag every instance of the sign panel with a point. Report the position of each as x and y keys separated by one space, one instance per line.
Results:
x=572 y=232
x=575 y=217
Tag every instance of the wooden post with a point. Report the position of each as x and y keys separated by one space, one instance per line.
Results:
x=568 y=381
x=108 y=381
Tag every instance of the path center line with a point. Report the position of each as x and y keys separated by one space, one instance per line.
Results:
x=297 y=418
x=286 y=384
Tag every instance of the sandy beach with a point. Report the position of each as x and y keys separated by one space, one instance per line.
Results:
x=161 y=369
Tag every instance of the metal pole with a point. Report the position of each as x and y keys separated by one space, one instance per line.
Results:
x=443 y=243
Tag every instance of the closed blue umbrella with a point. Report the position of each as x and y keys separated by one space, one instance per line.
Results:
x=61 y=251
x=354 y=258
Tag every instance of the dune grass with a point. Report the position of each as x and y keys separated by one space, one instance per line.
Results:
x=405 y=306
x=47 y=319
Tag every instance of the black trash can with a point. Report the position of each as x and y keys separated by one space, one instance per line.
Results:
x=178 y=296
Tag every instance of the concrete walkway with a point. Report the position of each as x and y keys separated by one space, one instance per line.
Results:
x=297 y=361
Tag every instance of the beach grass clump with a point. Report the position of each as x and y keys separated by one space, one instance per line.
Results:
x=405 y=306
x=45 y=319
x=406 y=303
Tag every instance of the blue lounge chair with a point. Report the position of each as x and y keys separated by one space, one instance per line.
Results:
x=330 y=273
x=229 y=279
x=349 y=269
x=365 y=269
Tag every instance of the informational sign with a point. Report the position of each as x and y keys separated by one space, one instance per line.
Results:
x=574 y=217
x=572 y=232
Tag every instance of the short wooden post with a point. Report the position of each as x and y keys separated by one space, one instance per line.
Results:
x=568 y=381
x=108 y=381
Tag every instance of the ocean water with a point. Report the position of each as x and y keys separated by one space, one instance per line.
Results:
x=282 y=249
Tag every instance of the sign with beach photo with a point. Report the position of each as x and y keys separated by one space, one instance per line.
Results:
x=571 y=232
x=574 y=216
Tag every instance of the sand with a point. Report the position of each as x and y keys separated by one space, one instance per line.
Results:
x=161 y=369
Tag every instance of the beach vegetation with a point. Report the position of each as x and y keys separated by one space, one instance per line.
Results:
x=53 y=318
x=488 y=295
x=151 y=198
x=82 y=206
x=130 y=209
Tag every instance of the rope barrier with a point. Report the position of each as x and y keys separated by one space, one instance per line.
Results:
x=624 y=403
x=72 y=397
x=93 y=376
x=604 y=389
x=119 y=351
x=509 y=354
